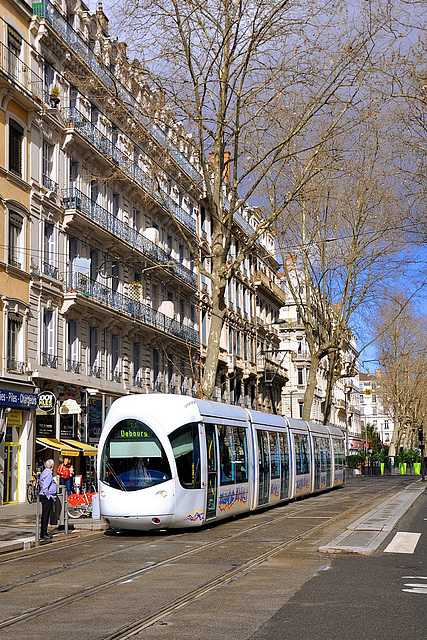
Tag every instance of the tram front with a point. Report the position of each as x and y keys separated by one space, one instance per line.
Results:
x=135 y=481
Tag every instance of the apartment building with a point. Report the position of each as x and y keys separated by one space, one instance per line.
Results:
x=250 y=370
x=101 y=211
x=372 y=410
x=20 y=102
x=345 y=411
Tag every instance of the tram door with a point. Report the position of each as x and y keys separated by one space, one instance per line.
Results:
x=263 y=467
x=211 y=449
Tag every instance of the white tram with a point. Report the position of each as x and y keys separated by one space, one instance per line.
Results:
x=174 y=461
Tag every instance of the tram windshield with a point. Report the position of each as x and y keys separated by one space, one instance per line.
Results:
x=133 y=457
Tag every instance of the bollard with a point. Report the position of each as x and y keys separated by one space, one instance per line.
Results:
x=37 y=536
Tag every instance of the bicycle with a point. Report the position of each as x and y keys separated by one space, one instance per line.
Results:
x=80 y=504
x=33 y=488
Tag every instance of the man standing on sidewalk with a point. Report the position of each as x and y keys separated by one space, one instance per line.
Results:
x=47 y=497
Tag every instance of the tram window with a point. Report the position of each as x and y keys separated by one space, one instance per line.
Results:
x=301 y=454
x=339 y=453
x=284 y=487
x=241 y=454
x=322 y=453
x=274 y=455
x=133 y=457
x=226 y=455
x=186 y=450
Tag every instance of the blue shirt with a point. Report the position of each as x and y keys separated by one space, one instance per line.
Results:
x=47 y=484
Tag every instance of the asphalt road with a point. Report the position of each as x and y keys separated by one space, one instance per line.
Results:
x=379 y=597
x=250 y=578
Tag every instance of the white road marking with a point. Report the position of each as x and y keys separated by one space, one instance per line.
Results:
x=403 y=542
x=416 y=587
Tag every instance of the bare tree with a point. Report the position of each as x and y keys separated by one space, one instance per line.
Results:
x=270 y=83
x=403 y=373
x=341 y=246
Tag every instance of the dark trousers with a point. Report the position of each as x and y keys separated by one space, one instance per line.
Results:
x=47 y=504
x=66 y=483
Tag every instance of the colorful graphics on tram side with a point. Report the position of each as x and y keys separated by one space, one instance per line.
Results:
x=196 y=515
x=302 y=485
x=274 y=492
x=233 y=498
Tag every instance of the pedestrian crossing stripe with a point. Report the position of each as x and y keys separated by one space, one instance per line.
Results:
x=403 y=542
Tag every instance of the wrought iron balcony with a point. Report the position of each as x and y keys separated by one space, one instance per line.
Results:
x=74 y=199
x=45 y=9
x=116 y=376
x=96 y=138
x=81 y=283
x=14 y=366
x=94 y=371
x=49 y=360
x=50 y=270
x=73 y=366
x=138 y=381
x=49 y=184
x=18 y=72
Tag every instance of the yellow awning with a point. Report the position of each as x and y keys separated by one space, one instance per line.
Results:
x=53 y=443
x=84 y=448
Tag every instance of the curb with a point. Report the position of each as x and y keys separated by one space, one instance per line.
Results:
x=365 y=535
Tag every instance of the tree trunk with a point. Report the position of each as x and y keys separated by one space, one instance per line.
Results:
x=311 y=387
x=207 y=383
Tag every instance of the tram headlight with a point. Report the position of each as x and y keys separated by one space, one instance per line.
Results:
x=162 y=493
x=102 y=494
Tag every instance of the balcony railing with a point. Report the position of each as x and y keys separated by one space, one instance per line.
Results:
x=49 y=184
x=96 y=138
x=81 y=283
x=17 y=71
x=14 y=366
x=45 y=9
x=74 y=199
x=116 y=376
x=73 y=366
x=49 y=360
x=94 y=370
x=50 y=270
x=138 y=381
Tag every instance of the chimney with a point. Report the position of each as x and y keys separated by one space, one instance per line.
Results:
x=102 y=19
x=227 y=168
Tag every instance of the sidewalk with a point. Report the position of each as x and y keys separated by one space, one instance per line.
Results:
x=18 y=525
x=365 y=535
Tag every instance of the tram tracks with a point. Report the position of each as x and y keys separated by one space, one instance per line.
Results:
x=217 y=582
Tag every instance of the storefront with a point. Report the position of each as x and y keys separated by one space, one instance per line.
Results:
x=58 y=426
x=17 y=409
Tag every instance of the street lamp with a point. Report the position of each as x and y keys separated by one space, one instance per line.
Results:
x=421 y=440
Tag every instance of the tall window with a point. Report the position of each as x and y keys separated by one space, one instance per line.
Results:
x=48 y=339
x=157 y=376
x=47 y=166
x=14 y=344
x=49 y=258
x=48 y=78
x=14 y=45
x=74 y=174
x=116 y=375
x=137 y=373
x=73 y=363
x=94 y=352
x=16 y=223
x=16 y=136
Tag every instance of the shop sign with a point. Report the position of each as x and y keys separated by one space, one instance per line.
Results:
x=45 y=426
x=14 y=419
x=46 y=401
x=18 y=399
